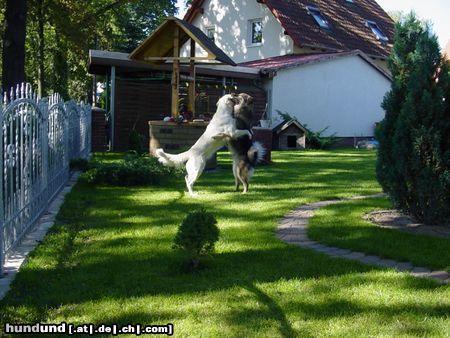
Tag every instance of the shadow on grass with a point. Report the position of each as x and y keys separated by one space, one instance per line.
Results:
x=114 y=244
x=127 y=275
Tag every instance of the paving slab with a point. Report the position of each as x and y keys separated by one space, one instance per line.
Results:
x=404 y=266
x=420 y=269
x=442 y=275
x=370 y=260
x=342 y=252
x=387 y=263
x=354 y=255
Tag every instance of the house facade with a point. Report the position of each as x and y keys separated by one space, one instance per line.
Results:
x=322 y=61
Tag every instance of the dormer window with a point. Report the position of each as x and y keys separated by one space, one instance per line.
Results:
x=377 y=31
x=317 y=15
x=211 y=32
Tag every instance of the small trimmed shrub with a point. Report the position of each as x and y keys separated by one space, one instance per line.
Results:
x=133 y=170
x=196 y=236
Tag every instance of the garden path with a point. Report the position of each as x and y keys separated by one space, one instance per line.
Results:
x=292 y=229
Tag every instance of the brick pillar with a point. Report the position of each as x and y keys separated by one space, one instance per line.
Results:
x=98 y=129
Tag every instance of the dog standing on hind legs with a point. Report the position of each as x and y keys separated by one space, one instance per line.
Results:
x=195 y=158
x=246 y=153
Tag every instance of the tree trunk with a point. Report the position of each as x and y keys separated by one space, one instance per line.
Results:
x=14 y=43
x=41 y=45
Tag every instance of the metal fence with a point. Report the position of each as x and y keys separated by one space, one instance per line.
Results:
x=39 y=137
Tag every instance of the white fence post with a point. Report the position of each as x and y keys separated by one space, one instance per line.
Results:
x=43 y=106
x=38 y=139
x=2 y=211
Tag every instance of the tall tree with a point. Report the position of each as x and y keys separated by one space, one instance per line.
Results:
x=13 y=66
x=41 y=47
x=414 y=156
x=61 y=32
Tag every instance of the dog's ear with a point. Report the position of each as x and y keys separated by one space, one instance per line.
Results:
x=247 y=98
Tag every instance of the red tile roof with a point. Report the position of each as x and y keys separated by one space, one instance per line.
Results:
x=347 y=20
x=447 y=50
x=273 y=64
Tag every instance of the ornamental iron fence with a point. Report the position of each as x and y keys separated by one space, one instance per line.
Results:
x=39 y=137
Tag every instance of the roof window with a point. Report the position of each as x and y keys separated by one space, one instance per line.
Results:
x=211 y=32
x=377 y=31
x=317 y=15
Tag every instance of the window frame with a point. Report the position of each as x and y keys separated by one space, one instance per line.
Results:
x=319 y=18
x=376 y=30
x=251 y=24
x=208 y=29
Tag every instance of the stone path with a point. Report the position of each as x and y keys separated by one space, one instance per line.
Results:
x=292 y=229
x=34 y=237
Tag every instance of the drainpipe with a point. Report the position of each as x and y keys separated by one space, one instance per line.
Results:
x=112 y=105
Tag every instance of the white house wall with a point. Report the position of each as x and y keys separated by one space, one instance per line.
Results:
x=344 y=94
x=230 y=19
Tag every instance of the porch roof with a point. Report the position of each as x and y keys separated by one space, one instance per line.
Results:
x=100 y=63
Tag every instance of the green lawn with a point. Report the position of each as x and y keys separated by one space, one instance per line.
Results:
x=109 y=260
x=342 y=225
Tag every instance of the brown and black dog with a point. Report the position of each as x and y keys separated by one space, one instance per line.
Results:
x=246 y=153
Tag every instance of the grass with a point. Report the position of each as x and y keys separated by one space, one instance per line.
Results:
x=342 y=225
x=109 y=260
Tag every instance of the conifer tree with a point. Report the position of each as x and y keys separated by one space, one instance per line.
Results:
x=414 y=156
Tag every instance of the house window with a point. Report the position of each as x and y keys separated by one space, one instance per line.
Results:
x=350 y=1
x=377 y=31
x=256 y=32
x=210 y=33
x=317 y=15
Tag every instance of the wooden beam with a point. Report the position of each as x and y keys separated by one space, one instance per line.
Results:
x=191 y=93
x=175 y=71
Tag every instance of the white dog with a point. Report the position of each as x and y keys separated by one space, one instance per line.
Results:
x=223 y=122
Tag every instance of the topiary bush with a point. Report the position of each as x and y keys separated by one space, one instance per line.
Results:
x=413 y=164
x=134 y=170
x=196 y=236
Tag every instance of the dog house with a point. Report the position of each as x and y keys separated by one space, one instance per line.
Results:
x=289 y=135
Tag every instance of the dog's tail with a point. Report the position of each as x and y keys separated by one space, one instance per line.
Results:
x=171 y=160
x=256 y=153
